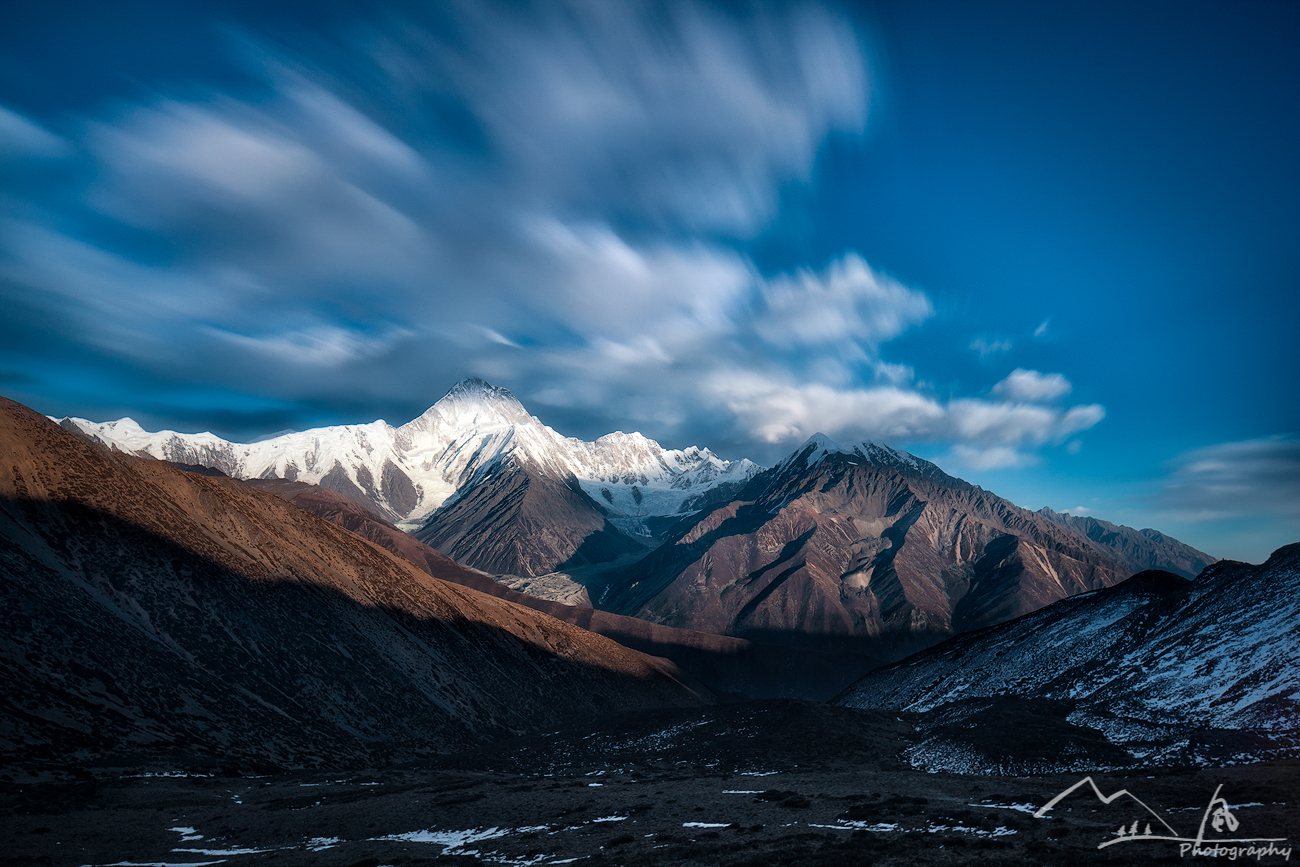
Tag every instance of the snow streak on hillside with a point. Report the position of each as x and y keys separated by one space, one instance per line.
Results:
x=1172 y=670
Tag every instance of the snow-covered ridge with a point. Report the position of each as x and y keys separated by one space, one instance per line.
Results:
x=407 y=472
x=1143 y=662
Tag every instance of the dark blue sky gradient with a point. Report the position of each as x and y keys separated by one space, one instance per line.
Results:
x=1105 y=191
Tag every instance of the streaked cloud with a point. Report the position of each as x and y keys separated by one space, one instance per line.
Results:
x=552 y=196
x=1259 y=477
x=23 y=139
x=786 y=412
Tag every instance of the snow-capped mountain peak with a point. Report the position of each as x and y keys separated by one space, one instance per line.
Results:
x=408 y=472
x=472 y=403
x=819 y=446
x=815 y=449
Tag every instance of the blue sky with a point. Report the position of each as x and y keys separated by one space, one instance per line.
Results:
x=1053 y=247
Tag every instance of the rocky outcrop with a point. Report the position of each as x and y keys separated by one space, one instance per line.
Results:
x=521 y=520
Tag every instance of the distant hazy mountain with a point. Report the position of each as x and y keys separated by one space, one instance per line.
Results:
x=864 y=548
x=1171 y=670
x=1137 y=550
x=152 y=612
x=606 y=495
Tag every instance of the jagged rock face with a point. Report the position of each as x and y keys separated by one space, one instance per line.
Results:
x=151 y=611
x=518 y=520
x=864 y=549
x=1150 y=663
x=1136 y=550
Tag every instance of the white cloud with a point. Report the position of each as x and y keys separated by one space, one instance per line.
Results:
x=1041 y=330
x=779 y=411
x=1032 y=386
x=894 y=374
x=989 y=458
x=322 y=346
x=989 y=423
x=602 y=286
x=848 y=302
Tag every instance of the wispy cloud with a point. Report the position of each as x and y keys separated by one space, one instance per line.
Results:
x=990 y=458
x=23 y=139
x=986 y=347
x=1258 y=477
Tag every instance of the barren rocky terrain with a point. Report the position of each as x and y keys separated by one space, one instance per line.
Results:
x=764 y=783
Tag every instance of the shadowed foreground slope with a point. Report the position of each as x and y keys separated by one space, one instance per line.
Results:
x=153 y=613
x=1173 y=671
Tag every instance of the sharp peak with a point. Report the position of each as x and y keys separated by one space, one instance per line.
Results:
x=822 y=441
x=473 y=387
x=824 y=444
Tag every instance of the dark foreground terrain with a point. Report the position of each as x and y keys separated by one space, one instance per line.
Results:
x=763 y=783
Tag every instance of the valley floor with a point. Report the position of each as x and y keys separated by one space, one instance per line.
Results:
x=762 y=783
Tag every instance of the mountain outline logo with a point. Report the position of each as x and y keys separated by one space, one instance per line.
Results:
x=1218 y=816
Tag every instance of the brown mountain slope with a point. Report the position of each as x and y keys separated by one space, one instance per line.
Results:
x=521 y=520
x=723 y=663
x=151 y=612
x=856 y=551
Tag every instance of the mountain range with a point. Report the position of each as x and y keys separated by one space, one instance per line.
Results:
x=867 y=547
x=155 y=612
x=862 y=549
x=481 y=480
x=729 y=666
x=407 y=473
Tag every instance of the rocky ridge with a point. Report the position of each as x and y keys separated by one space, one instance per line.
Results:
x=729 y=666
